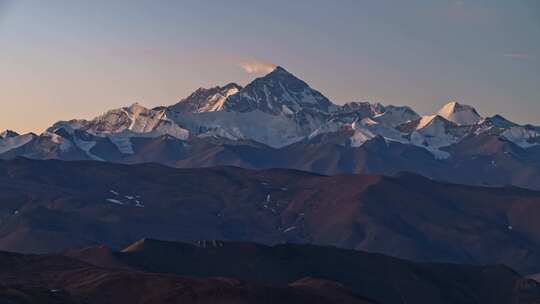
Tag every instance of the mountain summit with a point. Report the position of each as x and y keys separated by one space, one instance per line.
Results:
x=277 y=109
x=8 y=134
x=279 y=92
x=206 y=100
x=460 y=114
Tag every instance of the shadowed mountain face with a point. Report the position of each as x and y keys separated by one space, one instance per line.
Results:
x=327 y=269
x=52 y=205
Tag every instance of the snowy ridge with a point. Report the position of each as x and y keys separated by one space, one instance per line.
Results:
x=394 y=116
x=434 y=132
x=7 y=134
x=119 y=126
x=460 y=114
x=10 y=142
x=276 y=110
x=135 y=119
x=206 y=100
x=524 y=137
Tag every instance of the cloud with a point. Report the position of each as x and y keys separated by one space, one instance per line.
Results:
x=257 y=67
x=522 y=56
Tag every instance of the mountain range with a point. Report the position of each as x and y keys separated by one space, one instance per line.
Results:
x=279 y=121
x=50 y=206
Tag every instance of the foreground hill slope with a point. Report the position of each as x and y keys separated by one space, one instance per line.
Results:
x=59 y=279
x=371 y=276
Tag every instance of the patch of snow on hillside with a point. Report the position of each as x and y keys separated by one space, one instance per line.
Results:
x=123 y=143
x=361 y=135
x=86 y=146
x=114 y=201
x=289 y=229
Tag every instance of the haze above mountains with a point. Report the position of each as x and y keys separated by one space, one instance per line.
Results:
x=280 y=121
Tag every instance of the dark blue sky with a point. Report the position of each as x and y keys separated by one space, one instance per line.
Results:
x=67 y=59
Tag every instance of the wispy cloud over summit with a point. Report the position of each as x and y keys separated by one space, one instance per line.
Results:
x=257 y=66
x=522 y=56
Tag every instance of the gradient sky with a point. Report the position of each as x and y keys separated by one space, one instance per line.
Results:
x=76 y=59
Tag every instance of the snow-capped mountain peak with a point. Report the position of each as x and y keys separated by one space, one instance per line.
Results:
x=425 y=121
x=497 y=121
x=437 y=122
x=276 y=110
x=433 y=132
x=364 y=108
x=8 y=133
x=523 y=136
x=10 y=140
x=433 y=120
x=206 y=100
x=137 y=108
x=460 y=114
x=278 y=93
x=135 y=119
x=394 y=116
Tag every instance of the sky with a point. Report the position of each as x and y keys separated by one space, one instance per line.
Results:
x=76 y=59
